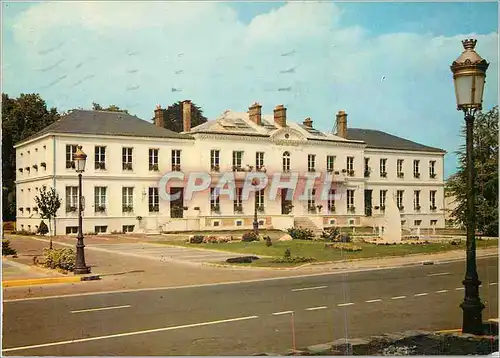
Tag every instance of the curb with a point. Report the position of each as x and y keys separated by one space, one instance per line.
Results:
x=48 y=280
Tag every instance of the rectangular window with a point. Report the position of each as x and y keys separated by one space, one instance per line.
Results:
x=71 y=198
x=99 y=199
x=259 y=160
x=259 y=200
x=367 y=167
x=416 y=168
x=432 y=169
x=330 y=163
x=331 y=201
x=286 y=162
x=153 y=200
x=399 y=199
x=383 y=168
x=127 y=158
x=214 y=200
x=176 y=160
x=350 y=166
x=153 y=160
x=350 y=201
x=128 y=228
x=432 y=199
x=127 y=199
x=100 y=157
x=70 y=152
x=237 y=160
x=71 y=230
x=383 y=196
x=102 y=229
x=311 y=162
x=416 y=200
x=399 y=168
x=238 y=201
x=417 y=222
x=434 y=222
x=215 y=160
x=311 y=200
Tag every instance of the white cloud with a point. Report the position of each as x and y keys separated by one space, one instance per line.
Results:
x=129 y=53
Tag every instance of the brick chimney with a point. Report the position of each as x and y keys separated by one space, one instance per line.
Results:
x=186 y=116
x=280 y=115
x=342 y=124
x=308 y=122
x=255 y=114
x=159 y=116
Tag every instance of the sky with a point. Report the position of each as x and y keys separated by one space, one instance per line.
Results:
x=385 y=63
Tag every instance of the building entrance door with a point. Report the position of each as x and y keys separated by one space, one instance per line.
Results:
x=368 y=202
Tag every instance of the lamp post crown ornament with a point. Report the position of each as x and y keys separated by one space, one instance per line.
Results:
x=469 y=57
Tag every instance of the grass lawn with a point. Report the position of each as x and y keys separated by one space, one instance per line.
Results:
x=317 y=250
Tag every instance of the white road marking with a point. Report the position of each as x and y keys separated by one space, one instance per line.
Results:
x=420 y=294
x=163 y=329
x=101 y=309
x=316 y=308
x=441 y=291
x=280 y=313
x=460 y=288
x=308 y=288
x=438 y=274
x=345 y=304
x=494 y=320
x=493 y=283
x=398 y=297
x=377 y=300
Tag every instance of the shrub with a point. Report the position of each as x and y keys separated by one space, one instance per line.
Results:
x=343 y=237
x=196 y=239
x=298 y=233
x=287 y=254
x=43 y=228
x=6 y=249
x=268 y=241
x=23 y=232
x=249 y=237
x=293 y=260
x=330 y=233
x=345 y=247
x=215 y=239
x=242 y=260
x=64 y=259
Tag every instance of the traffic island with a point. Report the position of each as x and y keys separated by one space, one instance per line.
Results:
x=405 y=343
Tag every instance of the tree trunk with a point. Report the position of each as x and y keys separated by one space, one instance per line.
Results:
x=50 y=234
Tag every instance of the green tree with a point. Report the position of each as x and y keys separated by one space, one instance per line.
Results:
x=173 y=117
x=486 y=170
x=48 y=202
x=110 y=108
x=21 y=118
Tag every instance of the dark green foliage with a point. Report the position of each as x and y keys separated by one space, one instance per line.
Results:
x=173 y=117
x=298 y=233
x=111 y=108
x=268 y=241
x=486 y=169
x=287 y=254
x=43 y=228
x=249 y=237
x=330 y=233
x=293 y=260
x=242 y=260
x=196 y=239
x=6 y=249
x=21 y=118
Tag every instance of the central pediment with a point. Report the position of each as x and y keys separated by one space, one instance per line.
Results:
x=287 y=134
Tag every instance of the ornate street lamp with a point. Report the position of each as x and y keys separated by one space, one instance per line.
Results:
x=255 y=218
x=81 y=268
x=469 y=74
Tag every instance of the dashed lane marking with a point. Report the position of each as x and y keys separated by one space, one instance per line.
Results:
x=309 y=288
x=420 y=294
x=101 y=309
x=345 y=304
x=280 y=313
x=376 y=300
x=460 y=288
x=441 y=291
x=316 y=308
x=398 y=297
x=438 y=274
x=493 y=283
x=118 y=335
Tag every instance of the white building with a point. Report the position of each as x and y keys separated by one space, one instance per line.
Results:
x=127 y=157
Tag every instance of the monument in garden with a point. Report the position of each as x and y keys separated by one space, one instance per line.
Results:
x=391 y=232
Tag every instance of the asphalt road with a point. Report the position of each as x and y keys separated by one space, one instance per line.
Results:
x=245 y=318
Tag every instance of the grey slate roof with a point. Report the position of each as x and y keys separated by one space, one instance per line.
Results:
x=382 y=140
x=81 y=121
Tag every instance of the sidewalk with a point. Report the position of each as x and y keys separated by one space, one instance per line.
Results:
x=120 y=271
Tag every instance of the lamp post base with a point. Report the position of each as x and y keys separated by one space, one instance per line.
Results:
x=80 y=267
x=256 y=227
x=472 y=308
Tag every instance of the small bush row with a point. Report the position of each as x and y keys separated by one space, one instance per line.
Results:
x=298 y=233
x=63 y=259
x=344 y=246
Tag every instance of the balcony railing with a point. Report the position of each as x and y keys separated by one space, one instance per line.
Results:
x=100 y=165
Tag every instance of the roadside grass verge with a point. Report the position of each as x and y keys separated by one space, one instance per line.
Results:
x=318 y=251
